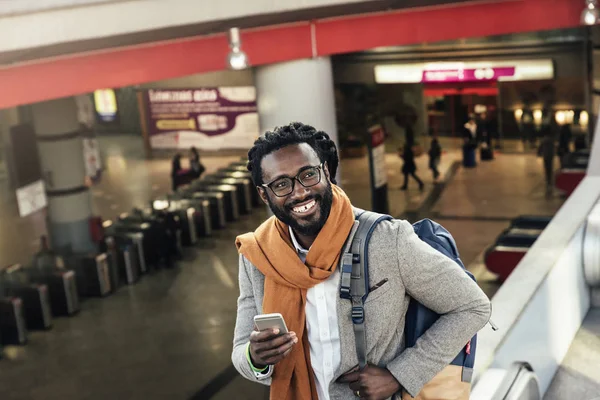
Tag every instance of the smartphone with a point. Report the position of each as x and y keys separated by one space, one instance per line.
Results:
x=270 y=321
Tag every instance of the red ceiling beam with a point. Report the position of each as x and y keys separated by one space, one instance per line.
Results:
x=434 y=24
x=81 y=73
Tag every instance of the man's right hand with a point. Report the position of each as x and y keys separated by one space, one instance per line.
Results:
x=268 y=347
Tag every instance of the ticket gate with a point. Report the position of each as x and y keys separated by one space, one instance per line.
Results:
x=62 y=287
x=234 y=168
x=230 y=198
x=92 y=272
x=197 y=214
x=151 y=239
x=36 y=301
x=243 y=186
x=123 y=254
x=13 y=328
x=256 y=200
x=216 y=206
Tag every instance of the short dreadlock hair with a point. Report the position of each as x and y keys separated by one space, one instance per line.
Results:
x=294 y=133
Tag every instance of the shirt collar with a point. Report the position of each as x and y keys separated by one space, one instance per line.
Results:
x=297 y=245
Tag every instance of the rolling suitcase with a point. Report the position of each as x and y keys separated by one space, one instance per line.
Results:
x=486 y=153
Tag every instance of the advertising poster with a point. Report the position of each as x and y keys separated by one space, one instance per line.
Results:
x=207 y=118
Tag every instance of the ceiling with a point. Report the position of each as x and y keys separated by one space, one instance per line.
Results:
x=187 y=31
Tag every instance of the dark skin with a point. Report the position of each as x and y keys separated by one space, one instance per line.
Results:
x=372 y=383
x=268 y=347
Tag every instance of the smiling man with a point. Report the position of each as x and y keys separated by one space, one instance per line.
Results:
x=289 y=265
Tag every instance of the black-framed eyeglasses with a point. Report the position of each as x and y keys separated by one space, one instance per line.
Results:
x=309 y=176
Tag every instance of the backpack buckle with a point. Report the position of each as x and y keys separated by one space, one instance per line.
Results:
x=345 y=292
x=358 y=314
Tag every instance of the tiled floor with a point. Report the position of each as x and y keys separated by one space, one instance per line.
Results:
x=169 y=336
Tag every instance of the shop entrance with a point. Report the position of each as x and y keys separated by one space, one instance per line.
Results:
x=450 y=104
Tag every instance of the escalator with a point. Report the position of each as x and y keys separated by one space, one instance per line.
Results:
x=518 y=382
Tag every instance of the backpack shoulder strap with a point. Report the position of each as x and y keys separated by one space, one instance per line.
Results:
x=355 y=274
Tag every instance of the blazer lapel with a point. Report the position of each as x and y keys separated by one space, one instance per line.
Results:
x=346 y=330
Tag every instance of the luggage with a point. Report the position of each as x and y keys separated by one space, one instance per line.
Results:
x=36 y=301
x=13 y=329
x=354 y=286
x=486 y=154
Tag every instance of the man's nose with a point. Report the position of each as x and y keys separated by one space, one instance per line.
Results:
x=299 y=192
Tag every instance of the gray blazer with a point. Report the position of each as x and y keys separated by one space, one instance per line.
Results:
x=413 y=269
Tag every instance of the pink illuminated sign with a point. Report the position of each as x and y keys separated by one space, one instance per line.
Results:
x=467 y=75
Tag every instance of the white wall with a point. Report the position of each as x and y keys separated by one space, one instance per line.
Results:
x=110 y=18
x=30 y=6
x=548 y=324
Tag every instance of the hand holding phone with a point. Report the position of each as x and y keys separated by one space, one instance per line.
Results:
x=270 y=342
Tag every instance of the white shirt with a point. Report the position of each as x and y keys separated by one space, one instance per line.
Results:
x=322 y=328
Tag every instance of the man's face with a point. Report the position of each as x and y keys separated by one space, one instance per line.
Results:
x=305 y=209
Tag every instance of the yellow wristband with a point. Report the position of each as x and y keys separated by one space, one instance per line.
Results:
x=250 y=361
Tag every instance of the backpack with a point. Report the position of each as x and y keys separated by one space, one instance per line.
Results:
x=355 y=283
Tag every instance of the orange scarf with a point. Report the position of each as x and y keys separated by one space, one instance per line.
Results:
x=287 y=280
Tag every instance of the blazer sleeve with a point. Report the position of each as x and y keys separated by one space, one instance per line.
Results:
x=441 y=285
x=246 y=310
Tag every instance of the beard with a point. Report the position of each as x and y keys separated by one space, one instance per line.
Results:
x=302 y=226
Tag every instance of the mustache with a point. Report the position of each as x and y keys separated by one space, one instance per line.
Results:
x=308 y=198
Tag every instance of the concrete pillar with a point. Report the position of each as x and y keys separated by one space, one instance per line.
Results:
x=8 y=118
x=299 y=91
x=61 y=155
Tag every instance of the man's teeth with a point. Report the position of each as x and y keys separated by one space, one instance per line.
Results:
x=305 y=208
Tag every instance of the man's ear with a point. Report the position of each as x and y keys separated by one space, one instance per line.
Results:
x=262 y=192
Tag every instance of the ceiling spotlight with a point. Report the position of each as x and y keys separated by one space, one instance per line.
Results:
x=589 y=16
x=236 y=58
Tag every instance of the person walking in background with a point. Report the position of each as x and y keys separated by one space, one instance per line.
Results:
x=196 y=167
x=470 y=142
x=409 y=168
x=435 y=155
x=564 y=142
x=547 y=148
